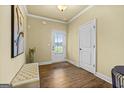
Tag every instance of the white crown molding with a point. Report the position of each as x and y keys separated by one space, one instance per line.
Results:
x=55 y=20
x=45 y=18
x=25 y=8
x=80 y=13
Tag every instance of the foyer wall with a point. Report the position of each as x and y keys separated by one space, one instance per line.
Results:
x=8 y=66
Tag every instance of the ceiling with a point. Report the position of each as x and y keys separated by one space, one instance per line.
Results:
x=51 y=11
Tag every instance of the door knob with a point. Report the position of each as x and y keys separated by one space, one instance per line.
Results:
x=94 y=46
x=80 y=49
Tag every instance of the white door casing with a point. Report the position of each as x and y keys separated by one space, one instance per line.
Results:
x=58 y=48
x=87 y=46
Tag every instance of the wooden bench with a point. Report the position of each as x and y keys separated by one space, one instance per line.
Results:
x=27 y=77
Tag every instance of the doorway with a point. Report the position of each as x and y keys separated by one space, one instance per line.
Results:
x=58 y=46
x=87 y=46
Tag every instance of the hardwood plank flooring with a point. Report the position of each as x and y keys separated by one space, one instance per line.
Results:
x=65 y=75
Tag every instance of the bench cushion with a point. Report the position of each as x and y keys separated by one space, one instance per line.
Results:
x=29 y=73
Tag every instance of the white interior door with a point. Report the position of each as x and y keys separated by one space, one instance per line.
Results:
x=58 y=46
x=87 y=46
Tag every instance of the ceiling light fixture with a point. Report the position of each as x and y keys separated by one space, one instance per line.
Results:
x=62 y=7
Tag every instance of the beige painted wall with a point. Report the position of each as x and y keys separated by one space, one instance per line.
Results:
x=8 y=66
x=110 y=39
x=110 y=36
x=39 y=36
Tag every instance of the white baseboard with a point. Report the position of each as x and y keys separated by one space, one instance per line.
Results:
x=50 y=62
x=72 y=62
x=100 y=75
x=104 y=77
x=45 y=63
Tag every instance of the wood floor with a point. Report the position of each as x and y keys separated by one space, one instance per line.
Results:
x=65 y=75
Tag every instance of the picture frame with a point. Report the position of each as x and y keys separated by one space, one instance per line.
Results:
x=17 y=31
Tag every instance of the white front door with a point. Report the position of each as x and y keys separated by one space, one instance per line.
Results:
x=58 y=46
x=87 y=46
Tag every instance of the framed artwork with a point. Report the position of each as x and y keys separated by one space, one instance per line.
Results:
x=17 y=31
